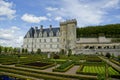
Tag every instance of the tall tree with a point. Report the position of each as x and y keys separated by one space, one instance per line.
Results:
x=26 y=51
x=38 y=51
x=69 y=52
x=0 y=49
x=23 y=50
x=15 y=50
x=5 y=49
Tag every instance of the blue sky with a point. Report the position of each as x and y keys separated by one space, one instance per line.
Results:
x=17 y=16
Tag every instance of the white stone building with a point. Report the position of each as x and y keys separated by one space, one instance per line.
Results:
x=64 y=37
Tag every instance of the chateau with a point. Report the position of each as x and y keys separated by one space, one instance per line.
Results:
x=64 y=37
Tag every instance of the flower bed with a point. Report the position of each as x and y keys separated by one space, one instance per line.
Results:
x=37 y=65
x=64 y=67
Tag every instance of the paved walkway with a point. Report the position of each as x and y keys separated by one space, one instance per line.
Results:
x=72 y=70
x=110 y=63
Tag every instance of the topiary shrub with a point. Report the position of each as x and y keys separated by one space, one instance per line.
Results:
x=55 y=56
x=108 y=55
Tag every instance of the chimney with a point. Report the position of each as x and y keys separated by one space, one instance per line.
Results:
x=41 y=27
x=36 y=28
x=50 y=27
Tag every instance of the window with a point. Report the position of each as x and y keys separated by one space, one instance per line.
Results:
x=57 y=39
x=35 y=46
x=44 y=45
x=51 y=34
x=57 y=45
x=50 y=40
x=27 y=46
x=50 y=45
x=40 y=40
x=35 y=40
x=44 y=40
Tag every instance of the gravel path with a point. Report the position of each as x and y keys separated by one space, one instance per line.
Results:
x=72 y=70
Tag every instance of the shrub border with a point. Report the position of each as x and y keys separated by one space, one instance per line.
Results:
x=35 y=67
x=63 y=70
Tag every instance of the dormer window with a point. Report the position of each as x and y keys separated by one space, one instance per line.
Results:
x=35 y=35
x=45 y=34
x=28 y=35
x=40 y=34
x=51 y=34
x=58 y=33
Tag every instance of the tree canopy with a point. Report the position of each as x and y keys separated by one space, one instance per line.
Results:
x=111 y=30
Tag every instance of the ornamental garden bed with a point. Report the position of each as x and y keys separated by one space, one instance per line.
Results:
x=37 y=65
x=114 y=61
x=64 y=67
x=97 y=70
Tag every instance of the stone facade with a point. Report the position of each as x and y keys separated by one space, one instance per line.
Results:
x=54 y=39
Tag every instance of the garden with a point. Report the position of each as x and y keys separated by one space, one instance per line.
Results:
x=90 y=66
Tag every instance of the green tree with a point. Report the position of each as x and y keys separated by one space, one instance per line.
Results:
x=23 y=50
x=69 y=52
x=38 y=51
x=118 y=58
x=0 y=49
x=5 y=49
x=113 y=55
x=26 y=51
x=108 y=55
x=10 y=49
x=15 y=50
x=62 y=51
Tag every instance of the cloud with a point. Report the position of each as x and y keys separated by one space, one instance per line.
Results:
x=49 y=15
x=112 y=4
x=86 y=13
x=32 y=18
x=51 y=9
x=11 y=36
x=59 y=18
x=117 y=16
x=6 y=10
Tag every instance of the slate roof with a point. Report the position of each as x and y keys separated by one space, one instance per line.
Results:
x=32 y=31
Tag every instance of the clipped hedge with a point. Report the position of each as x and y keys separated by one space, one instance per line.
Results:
x=63 y=70
x=51 y=73
x=64 y=67
x=58 y=61
x=114 y=61
x=15 y=76
x=33 y=74
x=79 y=69
x=35 y=67
x=87 y=73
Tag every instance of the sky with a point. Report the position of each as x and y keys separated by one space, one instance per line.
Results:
x=18 y=16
